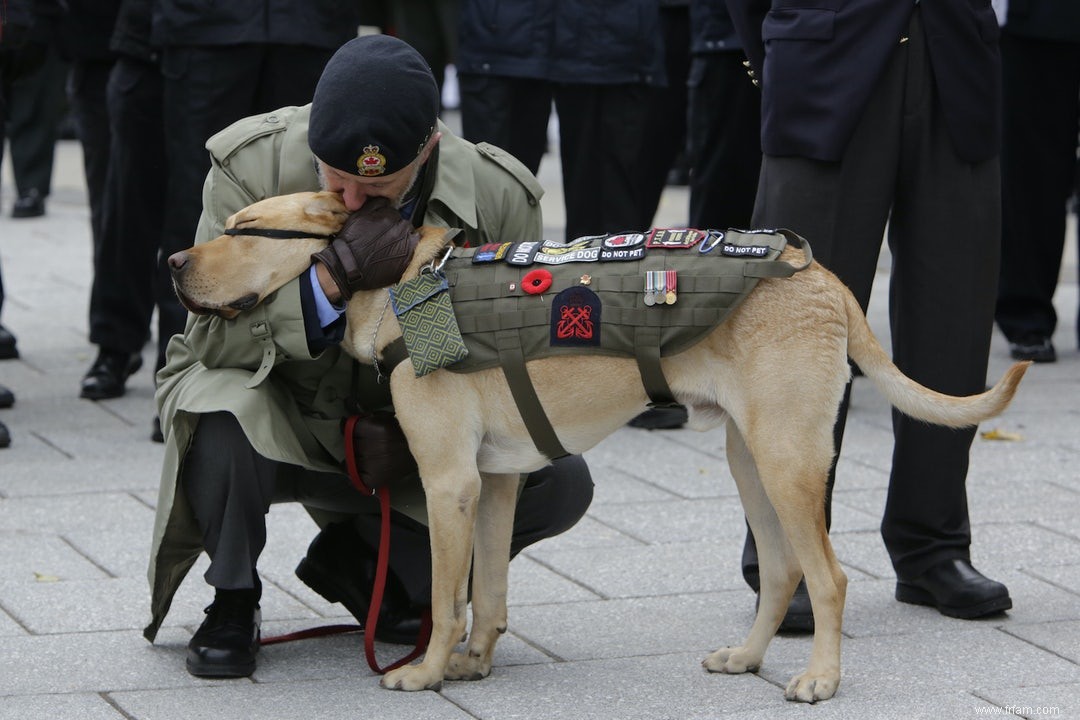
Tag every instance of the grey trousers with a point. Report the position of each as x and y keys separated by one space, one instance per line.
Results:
x=230 y=488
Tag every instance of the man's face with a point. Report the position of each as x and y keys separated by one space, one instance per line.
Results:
x=355 y=189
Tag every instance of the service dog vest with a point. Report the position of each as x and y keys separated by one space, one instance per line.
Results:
x=638 y=295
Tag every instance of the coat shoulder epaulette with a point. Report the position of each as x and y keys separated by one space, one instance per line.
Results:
x=513 y=166
x=242 y=133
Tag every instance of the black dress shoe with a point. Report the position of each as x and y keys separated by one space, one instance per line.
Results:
x=799 y=617
x=155 y=434
x=5 y=436
x=106 y=377
x=661 y=418
x=32 y=204
x=225 y=644
x=956 y=589
x=1037 y=348
x=8 y=351
x=340 y=566
x=7 y=398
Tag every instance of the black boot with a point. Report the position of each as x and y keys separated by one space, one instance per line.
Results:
x=340 y=566
x=661 y=418
x=225 y=644
x=956 y=589
x=8 y=350
x=106 y=377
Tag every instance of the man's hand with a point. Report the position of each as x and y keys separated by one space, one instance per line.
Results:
x=372 y=250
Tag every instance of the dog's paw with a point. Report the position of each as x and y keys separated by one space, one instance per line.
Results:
x=810 y=688
x=468 y=667
x=731 y=660
x=411 y=678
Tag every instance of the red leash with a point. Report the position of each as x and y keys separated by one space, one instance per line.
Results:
x=381 y=568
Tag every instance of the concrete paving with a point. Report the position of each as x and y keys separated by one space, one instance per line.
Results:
x=610 y=620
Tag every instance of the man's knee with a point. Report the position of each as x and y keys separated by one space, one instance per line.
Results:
x=553 y=500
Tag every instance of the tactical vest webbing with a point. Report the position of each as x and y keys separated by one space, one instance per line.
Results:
x=601 y=307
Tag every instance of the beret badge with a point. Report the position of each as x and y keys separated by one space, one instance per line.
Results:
x=372 y=162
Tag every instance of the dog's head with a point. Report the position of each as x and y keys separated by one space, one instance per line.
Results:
x=266 y=245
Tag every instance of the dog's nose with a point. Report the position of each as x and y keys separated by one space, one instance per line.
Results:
x=177 y=262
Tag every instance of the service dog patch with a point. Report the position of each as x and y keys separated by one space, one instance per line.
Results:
x=583 y=249
x=575 y=318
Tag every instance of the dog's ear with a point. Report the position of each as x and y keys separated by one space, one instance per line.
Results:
x=327 y=208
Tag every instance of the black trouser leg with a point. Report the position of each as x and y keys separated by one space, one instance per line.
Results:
x=34 y=123
x=87 y=93
x=601 y=129
x=230 y=488
x=723 y=141
x=664 y=137
x=553 y=500
x=126 y=275
x=510 y=113
x=1040 y=83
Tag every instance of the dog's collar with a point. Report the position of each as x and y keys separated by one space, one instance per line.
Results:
x=278 y=234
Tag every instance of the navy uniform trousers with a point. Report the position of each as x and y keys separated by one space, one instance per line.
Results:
x=943 y=217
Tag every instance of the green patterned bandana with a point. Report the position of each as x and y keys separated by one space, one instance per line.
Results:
x=422 y=306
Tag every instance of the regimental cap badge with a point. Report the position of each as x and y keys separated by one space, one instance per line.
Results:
x=372 y=162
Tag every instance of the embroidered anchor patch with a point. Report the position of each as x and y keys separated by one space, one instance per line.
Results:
x=575 y=318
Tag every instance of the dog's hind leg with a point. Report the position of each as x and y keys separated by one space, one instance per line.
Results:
x=778 y=566
x=491 y=561
x=452 y=491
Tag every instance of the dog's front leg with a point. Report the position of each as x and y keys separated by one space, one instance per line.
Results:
x=451 y=504
x=491 y=565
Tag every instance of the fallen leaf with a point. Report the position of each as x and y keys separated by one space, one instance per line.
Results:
x=997 y=434
x=45 y=577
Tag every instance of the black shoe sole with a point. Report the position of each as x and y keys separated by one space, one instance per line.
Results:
x=917 y=596
x=18 y=214
x=203 y=669
x=796 y=623
x=667 y=418
x=9 y=352
x=1036 y=357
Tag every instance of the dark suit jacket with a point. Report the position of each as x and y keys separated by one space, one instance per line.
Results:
x=818 y=61
x=1045 y=19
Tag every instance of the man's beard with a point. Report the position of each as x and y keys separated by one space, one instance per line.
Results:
x=398 y=201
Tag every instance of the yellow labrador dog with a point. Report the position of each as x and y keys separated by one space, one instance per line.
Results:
x=773 y=376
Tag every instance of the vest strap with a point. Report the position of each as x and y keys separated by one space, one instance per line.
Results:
x=647 y=354
x=512 y=360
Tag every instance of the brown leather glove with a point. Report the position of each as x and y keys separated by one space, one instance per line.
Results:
x=380 y=450
x=372 y=249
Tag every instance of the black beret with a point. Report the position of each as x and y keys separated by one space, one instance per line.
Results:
x=374 y=108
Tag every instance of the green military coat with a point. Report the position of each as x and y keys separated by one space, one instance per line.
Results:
x=258 y=366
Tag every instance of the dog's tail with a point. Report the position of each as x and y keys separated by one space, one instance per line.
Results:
x=913 y=399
